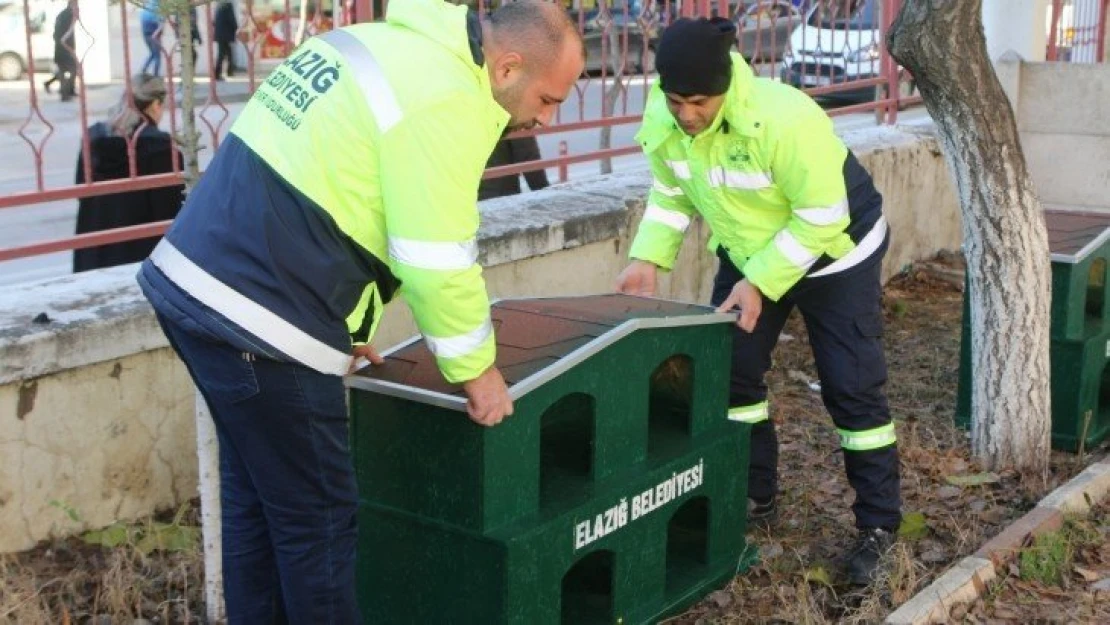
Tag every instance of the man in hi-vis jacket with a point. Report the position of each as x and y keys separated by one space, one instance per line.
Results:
x=796 y=222
x=351 y=177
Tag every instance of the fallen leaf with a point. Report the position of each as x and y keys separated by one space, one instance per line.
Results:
x=111 y=536
x=1101 y=586
x=1087 y=574
x=818 y=574
x=797 y=376
x=722 y=598
x=771 y=551
x=913 y=526
x=934 y=556
x=168 y=537
x=994 y=516
x=974 y=479
x=949 y=492
x=957 y=465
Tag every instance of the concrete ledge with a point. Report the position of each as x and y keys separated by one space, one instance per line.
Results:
x=98 y=316
x=1002 y=548
x=90 y=317
x=1075 y=497
x=966 y=581
x=961 y=583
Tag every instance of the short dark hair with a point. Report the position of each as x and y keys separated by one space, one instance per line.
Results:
x=540 y=27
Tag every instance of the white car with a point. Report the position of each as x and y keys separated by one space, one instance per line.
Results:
x=833 y=46
x=13 y=37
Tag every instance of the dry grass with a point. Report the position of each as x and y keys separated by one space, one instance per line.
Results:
x=69 y=581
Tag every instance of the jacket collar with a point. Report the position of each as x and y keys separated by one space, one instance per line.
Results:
x=739 y=113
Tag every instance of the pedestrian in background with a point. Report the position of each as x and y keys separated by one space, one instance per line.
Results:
x=225 y=27
x=135 y=121
x=151 y=22
x=65 y=63
x=511 y=152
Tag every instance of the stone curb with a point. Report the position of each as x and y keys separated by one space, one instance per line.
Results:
x=967 y=580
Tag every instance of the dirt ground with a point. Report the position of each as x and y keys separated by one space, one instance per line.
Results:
x=797 y=579
x=1060 y=579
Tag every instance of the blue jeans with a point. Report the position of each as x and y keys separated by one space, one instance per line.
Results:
x=154 y=46
x=287 y=482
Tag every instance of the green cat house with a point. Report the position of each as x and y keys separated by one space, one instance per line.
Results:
x=616 y=493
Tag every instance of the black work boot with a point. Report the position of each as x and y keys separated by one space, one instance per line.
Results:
x=865 y=557
x=761 y=514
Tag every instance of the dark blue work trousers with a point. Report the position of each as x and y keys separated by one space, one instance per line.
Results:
x=287 y=483
x=844 y=318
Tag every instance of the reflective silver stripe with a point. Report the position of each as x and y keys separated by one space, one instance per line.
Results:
x=734 y=179
x=868 y=439
x=252 y=317
x=371 y=80
x=461 y=345
x=749 y=414
x=437 y=255
x=793 y=250
x=672 y=219
x=681 y=169
x=871 y=242
x=665 y=190
x=823 y=215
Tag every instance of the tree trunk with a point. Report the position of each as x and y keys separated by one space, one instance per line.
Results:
x=610 y=94
x=190 y=136
x=302 y=23
x=941 y=42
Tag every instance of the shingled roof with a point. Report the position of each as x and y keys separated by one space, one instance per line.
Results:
x=537 y=339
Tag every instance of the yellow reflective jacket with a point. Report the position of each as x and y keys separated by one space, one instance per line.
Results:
x=781 y=193
x=352 y=172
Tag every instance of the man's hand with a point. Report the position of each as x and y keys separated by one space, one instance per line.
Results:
x=747 y=296
x=360 y=355
x=488 y=398
x=638 y=278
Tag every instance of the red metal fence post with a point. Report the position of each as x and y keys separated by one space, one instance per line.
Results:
x=562 y=163
x=1102 y=23
x=890 y=8
x=1057 y=9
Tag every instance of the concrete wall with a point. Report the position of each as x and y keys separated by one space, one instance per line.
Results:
x=1063 y=115
x=96 y=414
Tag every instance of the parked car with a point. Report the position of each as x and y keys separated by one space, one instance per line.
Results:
x=13 y=37
x=834 y=46
x=765 y=27
x=624 y=26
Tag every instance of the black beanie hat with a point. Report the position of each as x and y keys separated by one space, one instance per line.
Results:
x=693 y=56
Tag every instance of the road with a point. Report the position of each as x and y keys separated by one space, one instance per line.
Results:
x=24 y=224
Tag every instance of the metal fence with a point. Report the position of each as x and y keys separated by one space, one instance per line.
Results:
x=1077 y=31
x=829 y=48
